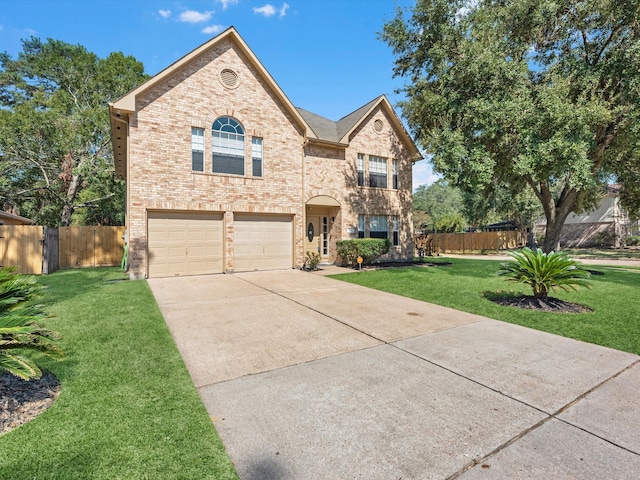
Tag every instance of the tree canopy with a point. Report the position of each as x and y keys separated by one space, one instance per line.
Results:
x=442 y=205
x=525 y=94
x=55 y=148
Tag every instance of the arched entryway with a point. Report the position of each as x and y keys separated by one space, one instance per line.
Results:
x=322 y=227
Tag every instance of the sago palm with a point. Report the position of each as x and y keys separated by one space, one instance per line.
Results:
x=19 y=331
x=545 y=271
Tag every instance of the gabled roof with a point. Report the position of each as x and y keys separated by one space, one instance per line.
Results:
x=338 y=132
x=314 y=127
x=127 y=104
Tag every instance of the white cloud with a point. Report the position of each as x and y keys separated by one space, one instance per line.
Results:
x=212 y=29
x=164 y=13
x=193 y=16
x=267 y=10
x=283 y=9
x=423 y=173
x=226 y=3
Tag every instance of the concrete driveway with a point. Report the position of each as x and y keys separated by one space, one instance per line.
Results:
x=307 y=377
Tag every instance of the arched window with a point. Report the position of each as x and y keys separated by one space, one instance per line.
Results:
x=227 y=146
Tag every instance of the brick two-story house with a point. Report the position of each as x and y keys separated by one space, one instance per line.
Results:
x=224 y=174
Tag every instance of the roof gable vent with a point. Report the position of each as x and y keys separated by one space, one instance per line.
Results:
x=378 y=126
x=229 y=78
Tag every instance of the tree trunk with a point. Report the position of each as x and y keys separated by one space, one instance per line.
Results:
x=556 y=212
x=72 y=193
x=531 y=238
x=552 y=236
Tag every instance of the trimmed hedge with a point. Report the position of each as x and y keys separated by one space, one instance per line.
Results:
x=368 y=248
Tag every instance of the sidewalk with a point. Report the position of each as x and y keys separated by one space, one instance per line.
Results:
x=586 y=261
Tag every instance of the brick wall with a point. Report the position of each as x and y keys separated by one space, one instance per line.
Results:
x=160 y=175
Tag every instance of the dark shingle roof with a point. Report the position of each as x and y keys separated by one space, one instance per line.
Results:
x=331 y=131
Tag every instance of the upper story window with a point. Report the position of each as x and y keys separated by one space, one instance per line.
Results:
x=361 y=170
x=256 y=156
x=394 y=172
x=227 y=146
x=377 y=172
x=197 y=149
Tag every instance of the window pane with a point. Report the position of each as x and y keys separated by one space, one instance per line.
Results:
x=228 y=164
x=378 y=226
x=197 y=149
x=396 y=227
x=360 y=226
x=197 y=161
x=377 y=172
x=394 y=170
x=227 y=145
x=360 y=170
x=256 y=156
x=377 y=180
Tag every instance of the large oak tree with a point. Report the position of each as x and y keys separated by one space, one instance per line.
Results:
x=536 y=94
x=55 y=148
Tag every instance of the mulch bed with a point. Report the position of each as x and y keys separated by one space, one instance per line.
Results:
x=21 y=401
x=415 y=263
x=549 y=304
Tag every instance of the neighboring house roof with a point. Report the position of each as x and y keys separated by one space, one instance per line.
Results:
x=314 y=127
x=7 y=218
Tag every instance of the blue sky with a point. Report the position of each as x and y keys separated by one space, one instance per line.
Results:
x=324 y=54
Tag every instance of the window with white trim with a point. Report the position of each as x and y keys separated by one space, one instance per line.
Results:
x=361 y=170
x=360 y=226
x=197 y=149
x=377 y=171
x=395 y=222
x=227 y=146
x=394 y=172
x=256 y=156
x=378 y=226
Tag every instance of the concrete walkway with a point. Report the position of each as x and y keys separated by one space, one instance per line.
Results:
x=612 y=262
x=307 y=377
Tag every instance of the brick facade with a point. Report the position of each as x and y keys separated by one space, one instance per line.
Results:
x=295 y=169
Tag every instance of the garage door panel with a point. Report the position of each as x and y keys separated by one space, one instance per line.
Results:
x=184 y=243
x=262 y=242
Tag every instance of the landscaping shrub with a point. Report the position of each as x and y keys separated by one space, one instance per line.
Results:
x=604 y=239
x=19 y=331
x=632 y=240
x=544 y=271
x=368 y=248
x=311 y=261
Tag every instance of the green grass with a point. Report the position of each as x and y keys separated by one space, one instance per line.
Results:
x=604 y=253
x=128 y=408
x=615 y=321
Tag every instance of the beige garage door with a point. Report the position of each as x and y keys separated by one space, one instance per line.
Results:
x=262 y=242
x=184 y=244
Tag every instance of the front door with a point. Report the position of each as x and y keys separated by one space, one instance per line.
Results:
x=317 y=236
x=313 y=241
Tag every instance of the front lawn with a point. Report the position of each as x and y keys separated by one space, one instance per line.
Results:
x=128 y=408
x=615 y=321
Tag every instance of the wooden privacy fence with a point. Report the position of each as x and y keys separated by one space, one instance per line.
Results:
x=474 y=242
x=35 y=249
x=21 y=247
x=90 y=246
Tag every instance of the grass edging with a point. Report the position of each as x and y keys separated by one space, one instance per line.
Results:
x=128 y=408
x=614 y=322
